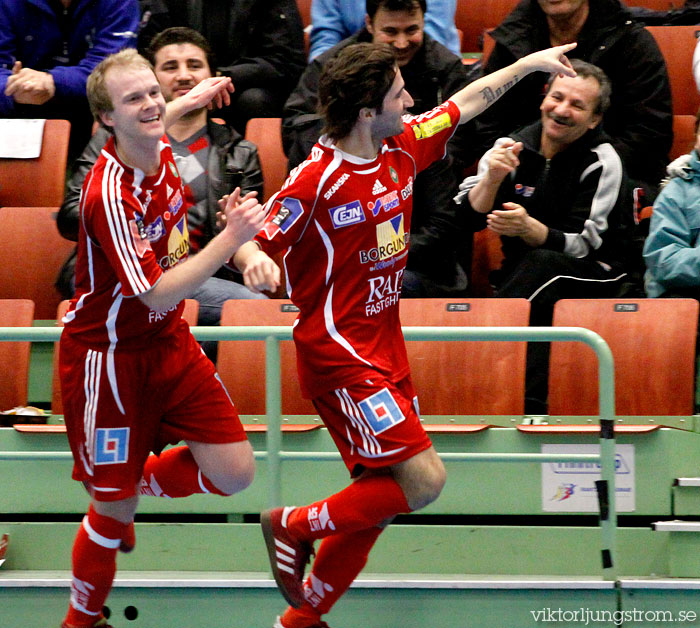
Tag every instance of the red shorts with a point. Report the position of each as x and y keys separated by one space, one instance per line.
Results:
x=119 y=407
x=374 y=423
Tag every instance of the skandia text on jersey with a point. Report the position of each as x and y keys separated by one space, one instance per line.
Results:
x=384 y=292
x=336 y=186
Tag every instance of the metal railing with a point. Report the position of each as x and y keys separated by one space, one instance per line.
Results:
x=275 y=455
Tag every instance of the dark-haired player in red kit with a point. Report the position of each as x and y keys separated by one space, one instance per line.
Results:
x=133 y=378
x=343 y=220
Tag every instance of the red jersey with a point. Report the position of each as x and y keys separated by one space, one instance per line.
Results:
x=133 y=228
x=344 y=223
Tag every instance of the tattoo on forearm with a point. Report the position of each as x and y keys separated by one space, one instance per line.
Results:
x=490 y=95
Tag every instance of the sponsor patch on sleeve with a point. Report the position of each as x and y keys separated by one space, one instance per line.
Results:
x=285 y=213
x=426 y=129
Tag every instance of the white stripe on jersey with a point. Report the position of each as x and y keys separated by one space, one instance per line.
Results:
x=286 y=274
x=111 y=325
x=119 y=229
x=349 y=437
x=91 y=384
x=329 y=249
x=333 y=332
x=91 y=271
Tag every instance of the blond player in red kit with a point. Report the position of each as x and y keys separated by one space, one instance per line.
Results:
x=133 y=378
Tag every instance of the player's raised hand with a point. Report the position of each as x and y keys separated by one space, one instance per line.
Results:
x=244 y=216
x=215 y=92
x=221 y=215
x=210 y=92
x=551 y=60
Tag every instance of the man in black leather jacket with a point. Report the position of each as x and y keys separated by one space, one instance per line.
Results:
x=258 y=43
x=432 y=74
x=212 y=158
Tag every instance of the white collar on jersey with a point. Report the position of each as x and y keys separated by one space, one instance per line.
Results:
x=327 y=143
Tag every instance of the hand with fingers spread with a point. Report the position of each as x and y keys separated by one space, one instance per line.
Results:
x=244 y=217
x=214 y=92
x=221 y=214
x=210 y=92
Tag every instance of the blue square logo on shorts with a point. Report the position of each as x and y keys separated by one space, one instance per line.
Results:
x=381 y=411
x=112 y=445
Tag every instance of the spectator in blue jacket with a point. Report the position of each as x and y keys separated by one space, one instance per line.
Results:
x=672 y=248
x=334 y=20
x=47 y=50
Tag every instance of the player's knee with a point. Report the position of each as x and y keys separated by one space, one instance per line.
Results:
x=238 y=476
x=429 y=487
x=435 y=482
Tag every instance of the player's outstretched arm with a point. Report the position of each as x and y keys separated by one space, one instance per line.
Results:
x=482 y=93
x=211 y=92
x=259 y=271
x=244 y=218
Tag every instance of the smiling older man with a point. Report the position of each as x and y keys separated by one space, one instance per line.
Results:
x=555 y=192
x=639 y=121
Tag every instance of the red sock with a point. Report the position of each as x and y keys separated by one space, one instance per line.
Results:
x=94 y=566
x=339 y=560
x=174 y=474
x=364 y=504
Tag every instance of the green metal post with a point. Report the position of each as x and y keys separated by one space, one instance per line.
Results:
x=273 y=408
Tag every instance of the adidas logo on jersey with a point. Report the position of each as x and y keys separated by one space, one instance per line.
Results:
x=320 y=520
x=378 y=188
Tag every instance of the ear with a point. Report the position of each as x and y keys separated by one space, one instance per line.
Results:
x=106 y=118
x=368 y=25
x=595 y=121
x=367 y=113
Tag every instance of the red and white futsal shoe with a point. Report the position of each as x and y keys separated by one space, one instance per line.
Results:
x=100 y=623
x=4 y=542
x=321 y=624
x=128 y=541
x=288 y=556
